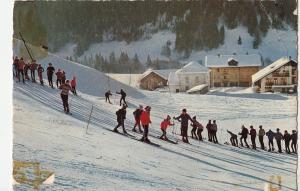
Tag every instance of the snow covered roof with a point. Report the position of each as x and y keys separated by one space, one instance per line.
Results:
x=192 y=67
x=162 y=73
x=173 y=79
x=269 y=69
x=197 y=88
x=222 y=60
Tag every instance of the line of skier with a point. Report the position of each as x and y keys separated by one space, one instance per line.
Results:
x=20 y=71
x=289 y=139
x=142 y=120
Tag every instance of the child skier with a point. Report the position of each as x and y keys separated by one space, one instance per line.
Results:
x=121 y=116
x=40 y=70
x=194 y=125
x=145 y=119
x=199 y=127
x=164 y=125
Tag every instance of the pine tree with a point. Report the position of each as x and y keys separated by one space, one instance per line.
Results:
x=222 y=35
x=149 y=62
x=239 y=40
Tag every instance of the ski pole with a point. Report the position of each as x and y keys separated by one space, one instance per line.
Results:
x=89 y=119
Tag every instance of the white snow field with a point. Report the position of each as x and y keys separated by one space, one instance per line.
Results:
x=103 y=160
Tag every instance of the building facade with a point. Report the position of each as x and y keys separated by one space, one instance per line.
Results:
x=189 y=76
x=280 y=76
x=232 y=70
x=153 y=79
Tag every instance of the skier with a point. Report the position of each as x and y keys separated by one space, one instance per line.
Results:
x=184 y=119
x=278 y=137
x=26 y=68
x=145 y=119
x=123 y=96
x=261 y=134
x=214 y=129
x=193 y=131
x=65 y=88
x=121 y=116
x=253 y=137
x=15 y=65
x=137 y=117
x=40 y=70
x=63 y=77
x=208 y=127
x=294 y=138
x=287 y=139
x=50 y=71
x=164 y=125
x=21 y=65
x=270 y=135
x=199 y=127
x=107 y=94
x=58 y=77
x=73 y=85
x=233 y=139
x=244 y=135
x=33 y=67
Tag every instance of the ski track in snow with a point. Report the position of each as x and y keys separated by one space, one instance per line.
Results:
x=103 y=160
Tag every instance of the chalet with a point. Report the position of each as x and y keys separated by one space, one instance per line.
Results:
x=153 y=79
x=189 y=76
x=280 y=76
x=232 y=70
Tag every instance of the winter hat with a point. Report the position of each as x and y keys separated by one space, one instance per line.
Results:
x=168 y=117
x=148 y=108
x=184 y=110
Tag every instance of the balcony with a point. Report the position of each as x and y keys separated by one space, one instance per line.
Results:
x=283 y=74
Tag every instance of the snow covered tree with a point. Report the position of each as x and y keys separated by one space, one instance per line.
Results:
x=222 y=34
x=149 y=62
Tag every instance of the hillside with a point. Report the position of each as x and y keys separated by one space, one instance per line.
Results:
x=106 y=160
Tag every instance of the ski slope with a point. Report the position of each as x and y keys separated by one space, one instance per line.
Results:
x=103 y=160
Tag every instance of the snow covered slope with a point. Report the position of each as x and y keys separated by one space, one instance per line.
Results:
x=103 y=160
x=90 y=81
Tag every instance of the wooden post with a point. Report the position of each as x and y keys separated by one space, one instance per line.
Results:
x=89 y=119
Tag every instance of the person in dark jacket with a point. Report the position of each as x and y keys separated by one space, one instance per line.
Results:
x=261 y=134
x=107 y=94
x=233 y=139
x=33 y=67
x=244 y=135
x=65 y=88
x=40 y=70
x=270 y=135
x=137 y=117
x=253 y=136
x=214 y=129
x=121 y=116
x=287 y=140
x=199 y=127
x=50 y=72
x=278 y=137
x=294 y=138
x=184 y=119
x=123 y=96
x=193 y=131
x=208 y=127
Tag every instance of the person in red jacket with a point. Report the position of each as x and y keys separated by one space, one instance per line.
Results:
x=73 y=85
x=40 y=70
x=58 y=77
x=33 y=67
x=164 y=125
x=145 y=120
x=65 y=88
x=21 y=65
x=26 y=68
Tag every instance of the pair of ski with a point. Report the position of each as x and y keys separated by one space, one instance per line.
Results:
x=135 y=138
x=166 y=140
